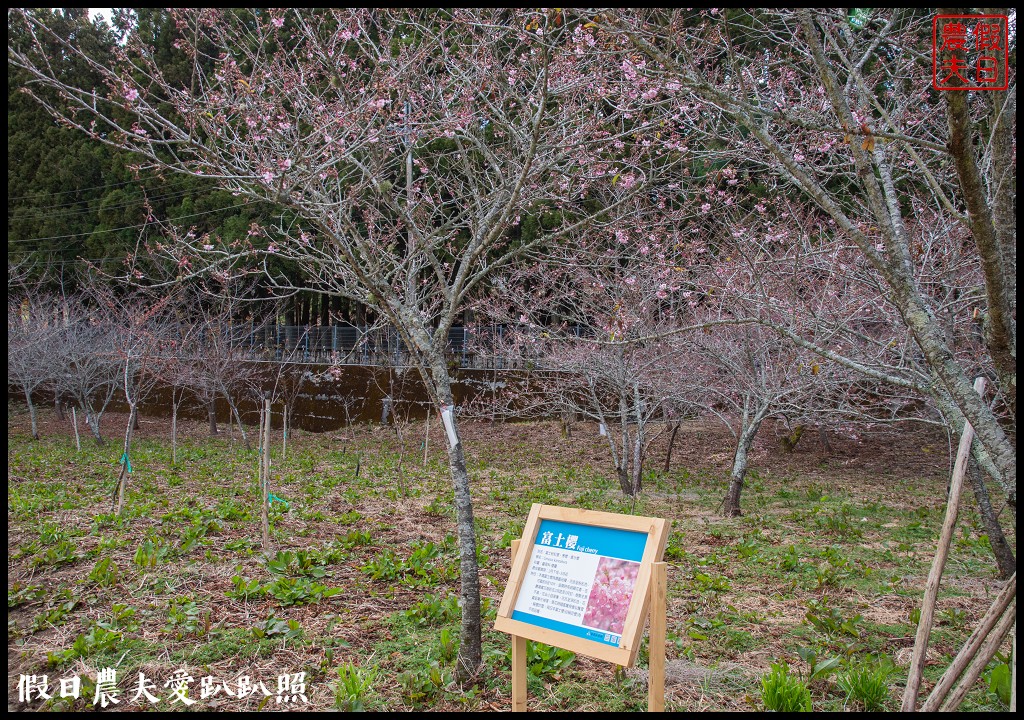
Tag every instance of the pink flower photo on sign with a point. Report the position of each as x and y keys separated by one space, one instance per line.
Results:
x=610 y=596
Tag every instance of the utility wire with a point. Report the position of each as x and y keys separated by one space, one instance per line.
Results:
x=127 y=227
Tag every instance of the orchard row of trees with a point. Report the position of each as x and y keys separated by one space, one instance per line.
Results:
x=87 y=348
x=780 y=194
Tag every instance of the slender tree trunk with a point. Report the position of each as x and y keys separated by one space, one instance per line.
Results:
x=74 y=422
x=238 y=420
x=739 y=468
x=125 y=473
x=470 y=648
x=94 y=425
x=625 y=481
x=32 y=413
x=174 y=426
x=823 y=439
x=638 y=464
x=997 y=540
x=211 y=414
x=671 y=443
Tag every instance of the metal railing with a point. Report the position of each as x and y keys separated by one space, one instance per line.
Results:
x=470 y=347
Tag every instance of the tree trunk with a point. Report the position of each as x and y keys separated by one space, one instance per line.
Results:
x=739 y=469
x=470 y=648
x=94 y=426
x=58 y=407
x=1000 y=548
x=125 y=473
x=238 y=420
x=211 y=414
x=174 y=429
x=671 y=443
x=32 y=414
x=823 y=439
x=638 y=462
x=625 y=481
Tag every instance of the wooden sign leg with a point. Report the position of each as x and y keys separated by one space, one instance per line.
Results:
x=656 y=639
x=518 y=659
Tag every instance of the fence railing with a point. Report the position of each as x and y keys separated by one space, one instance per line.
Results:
x=471 y=347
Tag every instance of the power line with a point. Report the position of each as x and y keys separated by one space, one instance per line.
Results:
x=53 y=209
x=68 y=192
x=127 y=227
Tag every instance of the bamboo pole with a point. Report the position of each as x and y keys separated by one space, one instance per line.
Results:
x=1013 y=674
x=74 y=422
x=924 y=626
x=985 y=653
x=426 y=438
x=265 y=478
x=970 y=649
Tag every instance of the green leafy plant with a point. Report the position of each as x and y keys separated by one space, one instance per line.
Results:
x=817 y=668
x=276 y=627
x=149 y=554
x=955 y=617
x=299 y=591
x=104 y=573
x=546 y=660
x=449 y=646
x=18 y=594
x=434 y=610
x=424 y=684
x=782 y=692
x=829 y=621
x=59 y=554
x=353 y=686
x=296 y=564
x=245 y=588
x=708 y=583
x=97 y=639
x=999 y=678
x=790 y=561
x=865 y=685
x=675 y=548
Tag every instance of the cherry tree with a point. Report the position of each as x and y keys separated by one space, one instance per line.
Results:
x=32 y=321
x=406 y=147
x=139 y=331
x=87 y=367
x=838 y=111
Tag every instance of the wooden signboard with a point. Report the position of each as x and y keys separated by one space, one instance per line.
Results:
x=582 y=580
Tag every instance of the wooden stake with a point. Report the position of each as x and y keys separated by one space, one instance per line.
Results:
x=265 y=477
x=518 y=659
x=985 y=653
x=426 y=439
x=284 y=433
x=931 y=591
x=1013 y=674
x=74 y=421
x=656 y=639
x=970 y=649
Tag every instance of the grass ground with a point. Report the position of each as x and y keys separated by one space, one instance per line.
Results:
x=829 y=560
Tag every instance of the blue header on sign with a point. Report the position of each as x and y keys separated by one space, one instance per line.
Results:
x=610 y=542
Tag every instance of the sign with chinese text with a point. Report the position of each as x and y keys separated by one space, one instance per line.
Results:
x=970 y=52
x=581 y=581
